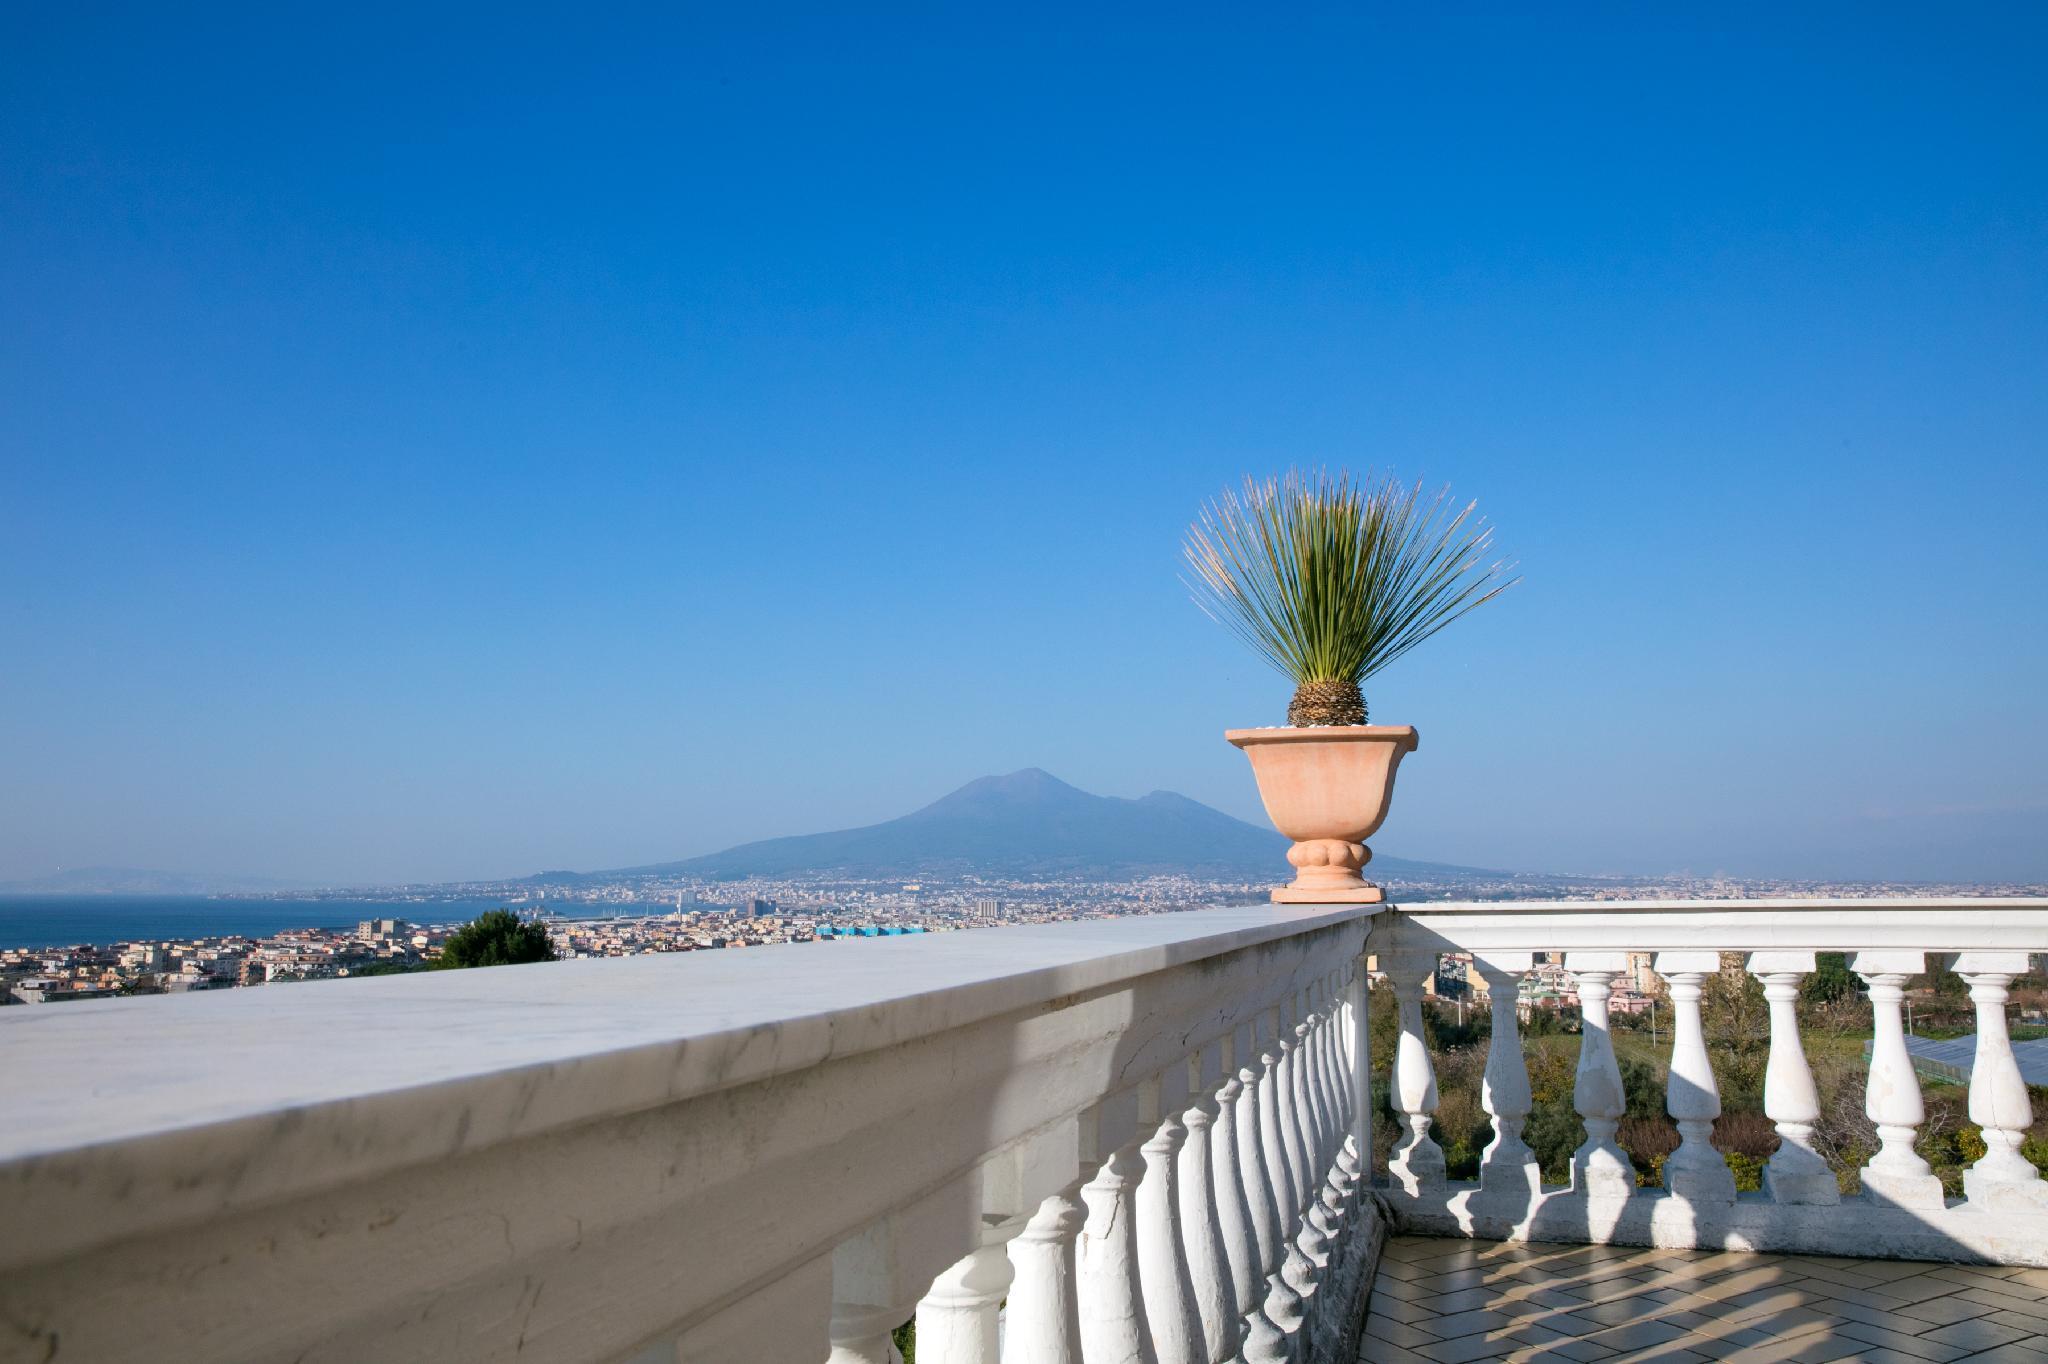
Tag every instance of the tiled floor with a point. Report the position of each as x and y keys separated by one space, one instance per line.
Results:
x=1447 y=1302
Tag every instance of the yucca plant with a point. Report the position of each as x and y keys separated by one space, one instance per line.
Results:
x=1331 y=578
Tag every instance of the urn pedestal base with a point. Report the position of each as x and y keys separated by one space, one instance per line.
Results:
x=1326 y=872
x=1365 y=893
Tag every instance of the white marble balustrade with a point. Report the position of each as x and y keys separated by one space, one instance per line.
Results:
x=1135 y=1140
x=1901 y=1208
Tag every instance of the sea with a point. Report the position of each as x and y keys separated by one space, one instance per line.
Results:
x=68 y=920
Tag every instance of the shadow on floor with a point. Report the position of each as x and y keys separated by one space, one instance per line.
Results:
x=1444 y=1301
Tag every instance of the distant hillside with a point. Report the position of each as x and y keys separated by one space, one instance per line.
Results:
x=1030 y=823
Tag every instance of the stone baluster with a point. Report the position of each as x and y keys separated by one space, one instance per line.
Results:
x=1309 y=1116
x=1293 y=1132
x=1201 y=1221
x=1796 y=1173
x=956 y=1319
x=1600 y=1168
x=1337 y=1105
x=1308 y=1086
x=1302 y=1236
x=1273 y=1102
x=1162 y=1262
x=1416 y=1166
x=1509 y=1179
x=1290 y=1269
x=1271 y=1299
x=862 y=1333
x=2003 y=1180
x=1335 y=1187
x=1319 y=1227
x=1252 y=1163
x=1358 y=1073
x=1233 y=1206
x=871 y=1296
x=1044 y=1325
x=1108 y=1298
x=1340 y=1066
x=1896 y=1175
x=1334 y=1071
x=1336 y=1112
x=1695 y=1170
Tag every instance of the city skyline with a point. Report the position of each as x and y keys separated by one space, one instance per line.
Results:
x=532 y=446
x=727 y=866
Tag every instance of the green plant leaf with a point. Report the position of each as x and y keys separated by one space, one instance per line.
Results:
x=1331 y=578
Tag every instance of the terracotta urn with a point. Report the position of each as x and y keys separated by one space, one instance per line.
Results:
x=1327 y=787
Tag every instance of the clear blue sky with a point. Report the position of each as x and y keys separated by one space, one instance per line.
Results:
x=459 y=445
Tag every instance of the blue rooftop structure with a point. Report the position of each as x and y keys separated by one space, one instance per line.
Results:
x=1952 y=1059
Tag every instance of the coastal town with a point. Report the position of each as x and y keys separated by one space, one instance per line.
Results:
x=599 y=917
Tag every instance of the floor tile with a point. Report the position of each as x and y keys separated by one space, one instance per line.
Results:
x=1396 y=1332
x=1978 y=1334
x=1943 y=1311
x=1565 y=1351
x=1919 y=1288
x=2015 y=1353
x=1400 y=1309
x=1901 y=1341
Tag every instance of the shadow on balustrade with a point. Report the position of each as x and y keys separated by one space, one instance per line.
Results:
x=1111 y=1065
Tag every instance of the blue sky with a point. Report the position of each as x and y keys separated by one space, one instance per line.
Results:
x=466 y=444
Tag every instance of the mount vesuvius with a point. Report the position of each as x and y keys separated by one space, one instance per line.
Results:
x=1026 y=824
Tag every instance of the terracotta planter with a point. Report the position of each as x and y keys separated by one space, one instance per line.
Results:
x=1327 y=788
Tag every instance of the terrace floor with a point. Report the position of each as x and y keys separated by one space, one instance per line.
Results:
x=1449 y=1301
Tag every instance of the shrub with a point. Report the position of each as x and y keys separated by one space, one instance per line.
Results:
x=1748 y=1171
x=1642 y=1087
x=1748 y=1134
x=1461 y=1125
x=1553 y=1132
x=1648 y=1140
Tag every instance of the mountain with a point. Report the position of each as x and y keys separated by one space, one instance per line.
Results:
x=1023 y=824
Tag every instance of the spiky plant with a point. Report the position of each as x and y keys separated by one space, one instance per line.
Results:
x=1331 y=578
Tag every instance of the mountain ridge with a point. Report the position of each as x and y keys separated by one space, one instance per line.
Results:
x=1027 y=822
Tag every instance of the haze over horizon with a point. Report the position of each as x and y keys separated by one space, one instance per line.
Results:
x=535 y=445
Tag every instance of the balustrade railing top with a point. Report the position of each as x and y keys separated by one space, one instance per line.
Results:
x=1947 y=924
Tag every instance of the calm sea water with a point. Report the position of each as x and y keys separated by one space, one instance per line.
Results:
x=62 y=920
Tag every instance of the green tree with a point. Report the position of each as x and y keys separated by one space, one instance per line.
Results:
x=495 y=938
x=386 y=968
x=1831 y=980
